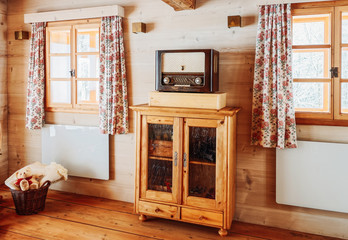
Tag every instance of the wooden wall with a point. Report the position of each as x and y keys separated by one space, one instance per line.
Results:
x=3 y=91
x=205 y=27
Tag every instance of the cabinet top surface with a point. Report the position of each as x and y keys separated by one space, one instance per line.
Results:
x=226 y=111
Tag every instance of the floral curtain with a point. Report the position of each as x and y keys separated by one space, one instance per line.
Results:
x=35 y=113
x=113 y=100
x=273 y=115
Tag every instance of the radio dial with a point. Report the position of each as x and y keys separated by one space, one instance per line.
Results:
x=166 y=80
x=198 y=80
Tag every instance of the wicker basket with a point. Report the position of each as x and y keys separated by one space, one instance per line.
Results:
x=31 y=201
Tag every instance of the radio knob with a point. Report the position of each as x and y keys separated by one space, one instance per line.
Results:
x=166 y=80
x=198 y=80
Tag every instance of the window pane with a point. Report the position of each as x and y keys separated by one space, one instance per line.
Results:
x=60 y=92
x=60 y=67
x=88 y=66
x=311 y=63
x=88 y=40
x=344 y=27
x=312 y=96
x=311 y=29
x=87 y=91
x=344 y=97
x=344 y=68
x=60 y=41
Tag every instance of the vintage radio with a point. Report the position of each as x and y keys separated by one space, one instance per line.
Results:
x=187 y=70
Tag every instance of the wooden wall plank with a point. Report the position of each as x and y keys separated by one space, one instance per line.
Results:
x=205 y=27
x=3 y=7
x=3 y=92
x=280 y=218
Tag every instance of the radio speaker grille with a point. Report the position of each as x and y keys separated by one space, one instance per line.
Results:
x=183 y=62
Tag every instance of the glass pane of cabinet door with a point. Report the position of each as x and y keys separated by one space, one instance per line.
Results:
x=159 y=159
x=202 y=162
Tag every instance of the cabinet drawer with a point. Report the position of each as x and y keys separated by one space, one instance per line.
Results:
x=158 y=210
x=203 y=217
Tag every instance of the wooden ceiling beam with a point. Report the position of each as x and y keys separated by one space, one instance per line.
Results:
x=179 y=5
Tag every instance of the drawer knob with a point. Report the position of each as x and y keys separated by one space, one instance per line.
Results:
x=157 y=210
x=202 y=218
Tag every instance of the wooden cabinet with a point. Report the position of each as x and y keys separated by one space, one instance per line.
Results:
x=185 y=166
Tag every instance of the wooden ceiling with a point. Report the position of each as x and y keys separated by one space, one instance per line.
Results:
x=179 y=5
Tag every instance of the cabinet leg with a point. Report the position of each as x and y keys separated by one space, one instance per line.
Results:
x=223 y=232
x=142 y=217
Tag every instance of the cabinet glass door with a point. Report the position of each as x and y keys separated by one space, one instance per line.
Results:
x=159 y=160
x=202 y=161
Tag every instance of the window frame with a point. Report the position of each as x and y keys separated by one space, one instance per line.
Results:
x=336 y=118
x=310 y=114
x=339 y=115
x=74 y=106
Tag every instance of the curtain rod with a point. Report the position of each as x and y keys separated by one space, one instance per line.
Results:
x=72 y=14
x=259 y=5
x=292 y=2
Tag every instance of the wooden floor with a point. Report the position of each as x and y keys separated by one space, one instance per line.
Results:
x=72 y=216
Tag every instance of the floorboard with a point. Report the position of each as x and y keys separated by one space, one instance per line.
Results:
x=6 y=235
x=73 y=216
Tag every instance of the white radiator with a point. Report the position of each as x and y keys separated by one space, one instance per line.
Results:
x=80 y=149
x=315 y=175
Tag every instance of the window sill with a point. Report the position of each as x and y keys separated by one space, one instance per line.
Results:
x=323 y=122
x=82 y=111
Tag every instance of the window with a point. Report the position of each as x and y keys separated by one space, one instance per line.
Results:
x=72 y=60
x=320 y=63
